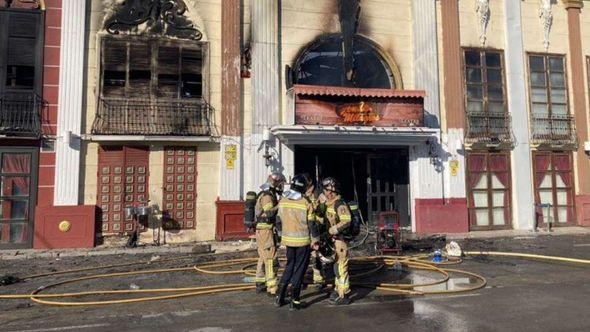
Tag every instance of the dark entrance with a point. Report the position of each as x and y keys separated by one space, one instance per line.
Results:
x=378 y=178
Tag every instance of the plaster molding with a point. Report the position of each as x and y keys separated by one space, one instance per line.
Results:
x=577 y=4
x=482 y=9
x=546 y=16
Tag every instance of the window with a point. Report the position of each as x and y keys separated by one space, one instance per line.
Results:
x=489 y=189
x=322 y=63
x=554 y=185
x=21 y=59
x=548 y=88
x=484 y=81
x=139 y=68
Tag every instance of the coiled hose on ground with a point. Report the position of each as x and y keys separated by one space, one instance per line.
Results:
x=416 y=262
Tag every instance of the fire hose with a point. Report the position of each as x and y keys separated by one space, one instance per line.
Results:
x=417 y=262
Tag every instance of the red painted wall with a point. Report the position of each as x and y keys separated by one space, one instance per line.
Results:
x=80 y=235
x=433 y=216
x=230 y=221
x=583 y=210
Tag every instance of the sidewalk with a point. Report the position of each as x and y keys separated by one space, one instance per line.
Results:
x=514 y=233
x=201 y=247
x=235 y=246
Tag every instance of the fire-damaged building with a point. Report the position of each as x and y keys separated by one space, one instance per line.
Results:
x=157 y=117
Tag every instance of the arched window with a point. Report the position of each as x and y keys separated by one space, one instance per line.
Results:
x=322 y=63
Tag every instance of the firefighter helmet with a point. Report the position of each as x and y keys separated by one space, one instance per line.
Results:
x=276 y=181
x=299 y=183
x=331 y=184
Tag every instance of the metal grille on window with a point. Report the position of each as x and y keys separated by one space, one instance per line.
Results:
x=551 y=121
x=123 y=175
x=179 y=187
x=488 y=119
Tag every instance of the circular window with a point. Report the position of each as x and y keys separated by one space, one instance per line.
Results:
x=322 y=63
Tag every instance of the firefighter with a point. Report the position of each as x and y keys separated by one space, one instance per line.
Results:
x=317 y=268
x=266 y=210
x=338 y=218
x=296 y=224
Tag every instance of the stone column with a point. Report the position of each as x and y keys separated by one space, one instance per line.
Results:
x=578 y=74
x=231 y=165
x=69 y=119
x=522 y=194
x=265 y=86
x=453 y=96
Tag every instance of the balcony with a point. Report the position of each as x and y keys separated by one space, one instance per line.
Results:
x=20 y=114
x=488 y=129
x=161 y=117
x=554 y=130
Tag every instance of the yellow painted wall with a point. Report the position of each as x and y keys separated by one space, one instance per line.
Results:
x=386 y=22
x=208 y=154
x=469 y=25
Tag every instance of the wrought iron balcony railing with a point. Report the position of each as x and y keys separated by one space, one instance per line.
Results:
x=489 y=128
x=20 y=114
x=173 y=117
x=554 y=129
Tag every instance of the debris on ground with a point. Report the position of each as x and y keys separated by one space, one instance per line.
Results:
x=8 y=280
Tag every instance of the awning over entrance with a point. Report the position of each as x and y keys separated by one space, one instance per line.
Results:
x=353 y=135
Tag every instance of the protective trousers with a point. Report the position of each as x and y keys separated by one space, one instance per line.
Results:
x=297 y=263
x=341 y=268
x=265 y=272
x=318 y=277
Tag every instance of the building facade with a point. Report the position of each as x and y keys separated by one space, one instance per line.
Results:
x=459 y=115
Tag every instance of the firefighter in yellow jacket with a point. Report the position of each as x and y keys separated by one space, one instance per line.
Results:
x=338 y=217
x=296 y=225
x=266 y=210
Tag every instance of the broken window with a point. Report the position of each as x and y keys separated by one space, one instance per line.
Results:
x=322 y=63
x=139 y=68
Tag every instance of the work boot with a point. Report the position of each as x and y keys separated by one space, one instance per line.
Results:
x=295 y=303
x=341 y=301
x=333 y=297
x=260 y=288
x=281 y=294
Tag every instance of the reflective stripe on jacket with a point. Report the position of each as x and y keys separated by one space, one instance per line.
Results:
x=297 y=221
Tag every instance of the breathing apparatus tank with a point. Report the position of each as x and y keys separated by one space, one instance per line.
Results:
x=250 y=210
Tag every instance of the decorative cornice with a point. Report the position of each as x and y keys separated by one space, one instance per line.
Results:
x=577 y=4
x=546 y=16
x=482 y=8
x=154 y=17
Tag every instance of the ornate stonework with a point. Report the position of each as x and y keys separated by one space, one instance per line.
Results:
x=172 y=18
x=546 y=16
x=482 y=8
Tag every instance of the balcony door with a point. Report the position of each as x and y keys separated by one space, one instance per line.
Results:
x=489 y=190
x=554 y=186
x=18 y=196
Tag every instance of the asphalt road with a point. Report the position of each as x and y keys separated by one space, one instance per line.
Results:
x=520 y=296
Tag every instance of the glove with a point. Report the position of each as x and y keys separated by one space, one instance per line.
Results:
x=333 y=230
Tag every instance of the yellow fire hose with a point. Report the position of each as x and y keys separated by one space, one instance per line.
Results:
x=417 y=262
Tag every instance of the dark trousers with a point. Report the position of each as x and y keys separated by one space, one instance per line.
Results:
x=297 y=263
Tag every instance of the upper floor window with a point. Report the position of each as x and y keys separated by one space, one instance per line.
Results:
x=322 y=63
x=484 y=80
x=21 y=50
x=548 y=88
x=156 y=68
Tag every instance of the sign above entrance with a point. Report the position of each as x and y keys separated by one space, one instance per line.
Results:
x=324 y=105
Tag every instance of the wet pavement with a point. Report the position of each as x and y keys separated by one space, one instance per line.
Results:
x=521 y=295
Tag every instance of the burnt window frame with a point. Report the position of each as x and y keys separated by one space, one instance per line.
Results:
x=394 y=73
x=154 y=43
x=5 y=14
